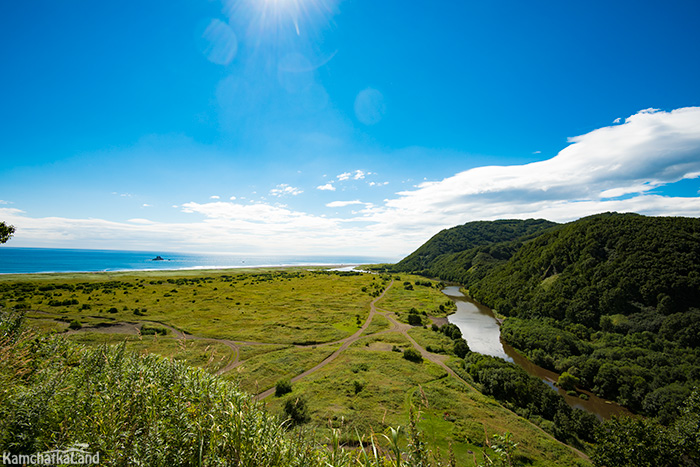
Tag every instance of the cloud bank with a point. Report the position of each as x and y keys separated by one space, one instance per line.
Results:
x=615 y=168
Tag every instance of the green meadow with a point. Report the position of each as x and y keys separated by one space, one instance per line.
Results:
x=258 y=327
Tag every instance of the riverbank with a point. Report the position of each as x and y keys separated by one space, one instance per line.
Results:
x=481 y=328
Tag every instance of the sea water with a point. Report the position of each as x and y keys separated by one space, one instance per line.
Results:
x=43 y=260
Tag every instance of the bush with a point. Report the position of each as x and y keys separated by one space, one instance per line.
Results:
x=147 y=330
x=296 y=410
x=358 y=386
x=414 y=320
x=75 y=324
x=282 y=387
x=412 y=355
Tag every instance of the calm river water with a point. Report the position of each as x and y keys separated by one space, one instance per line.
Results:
x=481 y=330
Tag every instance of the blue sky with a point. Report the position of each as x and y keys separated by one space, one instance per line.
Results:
x=328 y=126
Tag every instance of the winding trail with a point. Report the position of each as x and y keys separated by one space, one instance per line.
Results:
x=235 y=361
x=395 y=327
x=345 y=344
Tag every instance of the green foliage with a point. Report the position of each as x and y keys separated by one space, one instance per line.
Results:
x=612 y=299
x=6 y=232
x=282 y=387
x=414 y=319
x=412 y=355
x=530 y=397
x=296 y=410
x=634 y=442
x=131 y=409
x=461 y=348
x=567 y=381
x=149 y=330
x=75 y=324
x=467 y=237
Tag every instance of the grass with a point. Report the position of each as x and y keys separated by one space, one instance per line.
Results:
x=450 y=412
x=209 y=355
x=276 y=307
x=262 y=371
x=379 y=323
x=422 y=298
x=368 y=388
x=432 y=339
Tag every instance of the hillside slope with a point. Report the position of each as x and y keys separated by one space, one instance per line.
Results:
x=612 y=299
x=441 y=249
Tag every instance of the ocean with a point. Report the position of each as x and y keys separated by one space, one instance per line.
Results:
x=45 y=260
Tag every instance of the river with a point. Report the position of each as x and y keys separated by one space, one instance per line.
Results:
x=481 y=330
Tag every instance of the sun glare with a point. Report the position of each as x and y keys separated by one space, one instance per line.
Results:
x=282 y=17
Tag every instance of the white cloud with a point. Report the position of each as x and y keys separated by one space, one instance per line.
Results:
x=617 y=120
x=650 y=149
x=326 y=187
x=340 y=204
x=232 y=198
x=285 y=190
x=146 y=205
x=2 y=201
x=356 y=175
x=214 y=197
x=378 y=183
x=141 y=221
x=609 y=169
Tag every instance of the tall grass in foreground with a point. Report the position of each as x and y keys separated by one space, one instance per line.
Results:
x=146 y=410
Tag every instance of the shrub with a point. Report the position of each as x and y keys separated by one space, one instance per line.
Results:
x=412 y=355
x=296 y=410
x=358 y=386
x=75 y=324
x=414 y=320
x=282 y=387
x=148 y=330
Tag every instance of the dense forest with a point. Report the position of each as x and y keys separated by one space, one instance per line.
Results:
x=449 y=251
x=613 y=300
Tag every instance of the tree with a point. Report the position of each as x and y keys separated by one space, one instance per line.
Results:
x=633 y=442
x=567 y=381
x=461 y=348
x=6 y=231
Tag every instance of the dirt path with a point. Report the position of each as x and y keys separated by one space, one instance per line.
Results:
x=345 y=344
x=431 y=357
x=134 y=328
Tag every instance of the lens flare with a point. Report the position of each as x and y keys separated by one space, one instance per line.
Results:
x=278 y=19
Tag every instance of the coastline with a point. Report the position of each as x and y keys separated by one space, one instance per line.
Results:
x=197 y=269
x=73 y=261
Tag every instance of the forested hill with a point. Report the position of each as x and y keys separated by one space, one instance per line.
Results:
x=602 y=265
x=613 y=300
x=467 y=237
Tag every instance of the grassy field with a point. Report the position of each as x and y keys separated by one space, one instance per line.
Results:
x=262 y=326
x=268 y=306
x=206 y=354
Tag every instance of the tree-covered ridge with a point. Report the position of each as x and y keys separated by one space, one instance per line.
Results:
x=612 y=299
x=448 y=242
x=605 y=265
